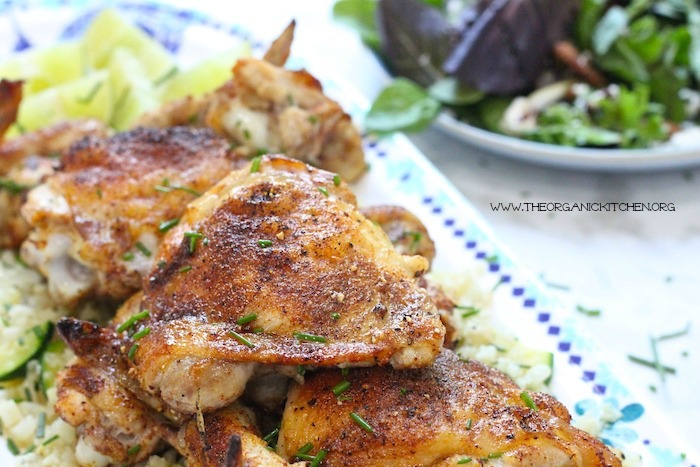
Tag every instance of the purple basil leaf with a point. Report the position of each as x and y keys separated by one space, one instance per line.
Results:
x=508 y=46
x=415 y=38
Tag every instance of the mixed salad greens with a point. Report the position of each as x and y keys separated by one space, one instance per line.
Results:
x=589 y=73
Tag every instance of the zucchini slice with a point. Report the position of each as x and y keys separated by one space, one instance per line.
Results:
x=17 y=353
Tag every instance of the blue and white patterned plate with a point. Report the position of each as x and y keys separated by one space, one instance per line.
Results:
x=401 y=175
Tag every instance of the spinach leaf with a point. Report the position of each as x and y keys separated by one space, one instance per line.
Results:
x=610 y=27
x=401 y=106
x=449 y=91
x=359 y=15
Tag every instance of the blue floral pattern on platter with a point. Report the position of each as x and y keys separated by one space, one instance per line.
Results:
x=401 y=175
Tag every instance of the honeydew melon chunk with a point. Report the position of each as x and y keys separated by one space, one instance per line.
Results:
x=205 y=76
x=109 y=31
x=43 y=68
x=131 y=87
x=81 y=98
x=88 y=97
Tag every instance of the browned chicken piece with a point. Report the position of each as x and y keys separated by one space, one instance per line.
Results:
x=446 y=308
x=228 y=437
x=116 y=423
x=408 y=234
x=410 y=237
x=107 y=416
x=265 y=108
x=10 y=97
x=452 y=410
x=97 y=223
x=24 y=162
x=279 y=50
x=274 y=266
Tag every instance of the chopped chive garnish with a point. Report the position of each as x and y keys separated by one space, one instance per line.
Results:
x=336 y=179
x=255 y=164
x=50 y=440
x=335 y=316
x=650 y=364
x=30 y=449
x=12 y=447
x=143 y=249
x=673 y=335
x=258 y=330
x=119 y=104
x=468 y=310
x=41 y=425
x=657 y=361
x=587 y=311
x=305 y=449
x=169 y=74
x=133 y=320
x=469 y=424
x=243 y=320
x=301 y=369
x=323 y=190
x=98 y=192
x=185 y=269
x=302 y=336
x=271 y=437
x=465 y=460
x=169 y=224
x=345 y=371
x=133 y=450
x=525 y=396
x=320 y=456
x=264 y=243
x=166 y=187
x=132 y=351
x=142 y=333
x=90 y=95
x=403 y=391
x=313 y=119
x=241 y=339
x=304 y=457
x=13 y=187
x=128 y=256
x=194 y=238
x=491 y=259
x=246 y=133
x=341 y=387
x=361 y=422
x=495 y=455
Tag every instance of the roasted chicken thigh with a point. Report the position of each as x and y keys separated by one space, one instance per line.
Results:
x=273 y=266
x=440 y=415
x=266 y=108
x=25 y=161
x=97 y=222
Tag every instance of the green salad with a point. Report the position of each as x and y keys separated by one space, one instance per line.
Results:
x=585 y=73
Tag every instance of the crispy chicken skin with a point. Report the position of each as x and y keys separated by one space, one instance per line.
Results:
x=10 y=97
x=408 y=234
x=451 y=410
x=95 y=223
x=107 y=415
x=282 y=241
x=24 y=162
x=267 y=108
x=229 y=437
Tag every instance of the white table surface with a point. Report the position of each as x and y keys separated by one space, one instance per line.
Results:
x=639 y=268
